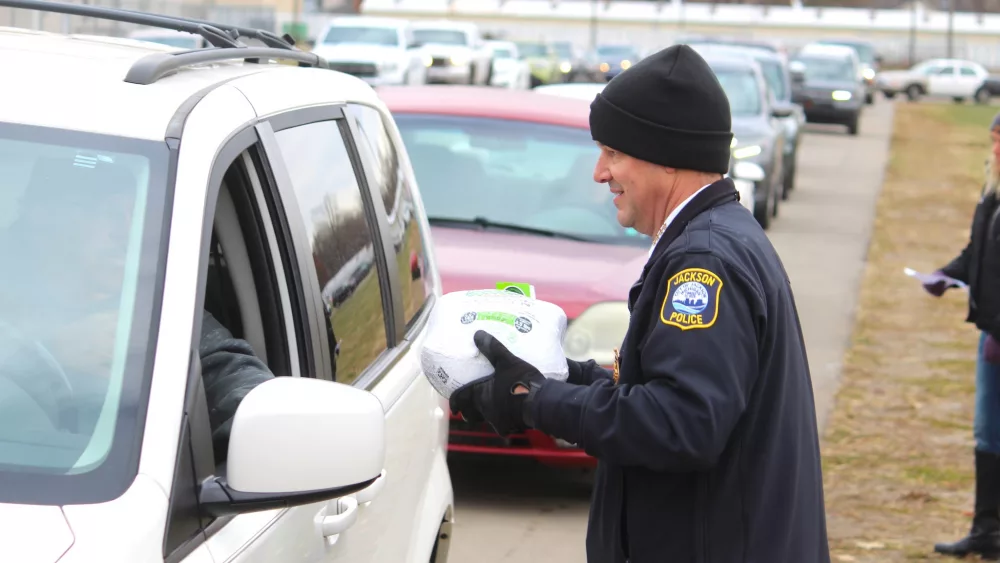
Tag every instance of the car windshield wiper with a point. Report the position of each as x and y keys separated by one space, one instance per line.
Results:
x=484 y=223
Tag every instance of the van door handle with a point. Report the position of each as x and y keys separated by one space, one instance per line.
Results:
x=333 y=525
x=366 y=495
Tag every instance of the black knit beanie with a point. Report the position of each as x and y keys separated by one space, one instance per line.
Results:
x=668 y=109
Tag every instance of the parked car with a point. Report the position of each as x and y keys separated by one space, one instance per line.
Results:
x=509 y=69
x=612 y=60
x=377 y=50
x=938 y=78
x=572 y=64
x=458 y=53
x=216 y=180
x=507 y=181
x=758 y=131
x=832 y=91
x=543 y=61
x=870 y=62
x=779 y=82
x=745 y=176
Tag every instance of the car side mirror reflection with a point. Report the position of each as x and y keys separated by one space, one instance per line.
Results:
x=274 y=459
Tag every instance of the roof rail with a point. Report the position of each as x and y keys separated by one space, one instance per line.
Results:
x=266 y=37
x=154 y=66
x=211 y=33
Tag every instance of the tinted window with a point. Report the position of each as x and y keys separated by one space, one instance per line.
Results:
x=968 y=71
x=615 y=52
x=440 y=36
x=407 y=241
x=340 y=237
x=520 y=174
x=502 y=53
x=362 y=35
x=76 y=296
x=742 y=90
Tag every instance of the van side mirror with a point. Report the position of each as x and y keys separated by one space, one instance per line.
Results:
x=781 y=110
x=273 y=463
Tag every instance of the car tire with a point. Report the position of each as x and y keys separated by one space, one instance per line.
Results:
x=913 y=92
x=983 y=96
x=852 y=126
x=958 y=100
x=789 y=180
x=762 y=209
x=869 y=98
x=889 y=95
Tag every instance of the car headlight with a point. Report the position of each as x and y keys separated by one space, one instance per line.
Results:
x=625 y=64
x=841 y=95
x=459 y=60
x=428 y=60
x=565 y=67
x=747 y=151
x=751 y=171
x=596 y=333
x=868 y=73
x=605 y=67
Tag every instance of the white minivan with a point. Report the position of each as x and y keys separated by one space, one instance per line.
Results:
x=175 y=385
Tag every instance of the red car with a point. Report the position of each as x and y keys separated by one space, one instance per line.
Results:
x=506 y=178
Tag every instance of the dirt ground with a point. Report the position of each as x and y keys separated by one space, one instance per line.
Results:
x=897 y=449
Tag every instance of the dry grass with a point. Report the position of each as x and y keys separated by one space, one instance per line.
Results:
x=898 y=446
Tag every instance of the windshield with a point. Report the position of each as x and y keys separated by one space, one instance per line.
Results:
x=827 y=68
x=742 y=90
x=866 y=54
x=503 y=53
x=440 y=36
x=563 y=50
x=362 y=35
x=532 y=50
x=774 y=74
x=614 y=51
x=524 y=174
x=79 y=229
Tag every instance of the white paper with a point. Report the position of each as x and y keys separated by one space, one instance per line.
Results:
x=931 y=278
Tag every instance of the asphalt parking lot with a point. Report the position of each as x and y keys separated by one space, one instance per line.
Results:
x=513 y=511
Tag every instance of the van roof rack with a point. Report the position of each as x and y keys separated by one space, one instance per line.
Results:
x=224 y=39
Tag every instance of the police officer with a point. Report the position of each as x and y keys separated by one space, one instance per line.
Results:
x=705 y=431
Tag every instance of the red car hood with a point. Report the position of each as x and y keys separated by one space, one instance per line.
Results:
x=571 y=274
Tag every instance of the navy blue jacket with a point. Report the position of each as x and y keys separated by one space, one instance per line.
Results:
x=707 y=443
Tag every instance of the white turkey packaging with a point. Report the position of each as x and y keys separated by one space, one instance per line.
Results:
x=531 y=329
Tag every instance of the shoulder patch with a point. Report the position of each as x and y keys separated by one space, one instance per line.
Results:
x=692 y=299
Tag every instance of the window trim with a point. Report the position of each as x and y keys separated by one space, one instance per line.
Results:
x=193 y=428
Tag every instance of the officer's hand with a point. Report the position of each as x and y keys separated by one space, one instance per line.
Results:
x=502 y=398
x=938 y=285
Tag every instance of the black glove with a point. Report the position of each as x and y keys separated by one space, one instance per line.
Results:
x=492 y=398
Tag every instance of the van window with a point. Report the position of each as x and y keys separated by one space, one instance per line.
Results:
x=407 y=241
x=329 y=199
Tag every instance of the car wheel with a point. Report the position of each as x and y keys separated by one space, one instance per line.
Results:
x=762 y=209
x=889 y=95
x=789 y=182
x=958 y=99
x=489 y=73
x=869 y=98
x=472 y=75
x=913 y=92
x=982 y=96
x=852 y=126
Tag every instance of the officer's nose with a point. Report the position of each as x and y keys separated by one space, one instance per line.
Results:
x=602 y=174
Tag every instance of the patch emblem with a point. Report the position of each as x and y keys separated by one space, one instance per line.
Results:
x=692 y=299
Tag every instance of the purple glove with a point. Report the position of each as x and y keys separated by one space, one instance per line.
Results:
x=991 y=350
x=937 y=284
